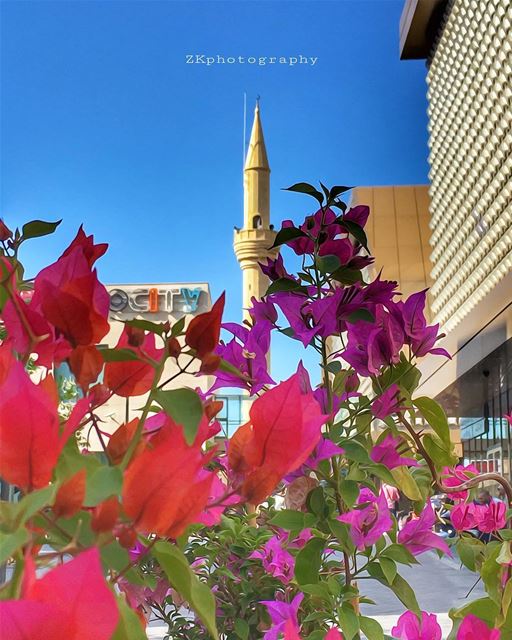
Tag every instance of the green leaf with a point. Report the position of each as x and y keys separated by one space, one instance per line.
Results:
x=341 y=532
x=345 y=275
x=292 y=520
x=349 y=491
x=184 y=407
x=129 y=626
x=437 y=450
x=308 y=561
x=327 y=264
x=114 y=556
x=358 y=232
x=490 y=575
x=286 y=234
x=483 y=608
x=406 y=483
x=469 y=550
x=338 y=190
x=118 y=355
x=400 y=554
x=177 y=327
x=333 y=367
x=371 y=628
x=434 y=414
x=308 y=189
x=399 y=586
x=146 y=325
x=388 y=567
x=11 y=542
x=285 y=284
x=14 y=515
x=315 y=502
x=38 y=228
x=355 y=451
x=360 y=314
x=349 y=620
x=242 y=629
x=103 y=483
x=186 y=583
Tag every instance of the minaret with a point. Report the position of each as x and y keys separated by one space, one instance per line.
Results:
x=252 y=242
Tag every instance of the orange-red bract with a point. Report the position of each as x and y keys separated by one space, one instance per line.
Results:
x=203 y=331
x=105 y=515
x=166 y=487
x=133 y=377
x=29 y=431
x=120 y=440
x=86 y=364
x=283 y=429
x=70 y=602
x=70 y=496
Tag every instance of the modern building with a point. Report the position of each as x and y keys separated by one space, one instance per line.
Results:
x=467 y=46
x=398 y=233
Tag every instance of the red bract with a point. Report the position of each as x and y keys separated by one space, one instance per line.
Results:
x=32 y=333
x=70 y=496
x=86 y=244
x=203 y=331
x=166 y=487
x=71 y=602
x=70 y=296
x=86 y=364
x=133 y=377
x=29 y=431
x=283 y=429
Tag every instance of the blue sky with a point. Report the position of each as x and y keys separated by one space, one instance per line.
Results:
x=104 y=123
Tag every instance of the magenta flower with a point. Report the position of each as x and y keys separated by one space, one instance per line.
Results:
x=462 y=516
x=368 y=521
x=275 y=269
x=293 y=307
x=387 y=453
x=417 y=535
x=324 y=450
x=262 y=310
x=453 y=477
x=373 y=345
x=408 y=627
x=472 y=628
x=490 y=517
x=276 y=560
x=247 y=351
x=387 y=403
x=281 y=614
x=419 y=336
x=358 y=214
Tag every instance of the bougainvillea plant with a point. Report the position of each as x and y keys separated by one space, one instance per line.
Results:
x=165 y=522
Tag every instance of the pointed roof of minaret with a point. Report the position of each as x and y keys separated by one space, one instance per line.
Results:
x=257 y=153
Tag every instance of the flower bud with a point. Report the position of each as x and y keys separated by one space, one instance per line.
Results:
x=127 y=537
x=5 y=232
x=135 y=336
x=210 y=363
x=173 y=347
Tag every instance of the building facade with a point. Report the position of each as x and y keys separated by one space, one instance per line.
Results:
x=468 y=51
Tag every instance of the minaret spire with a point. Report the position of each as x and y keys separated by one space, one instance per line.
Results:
x=252 y=242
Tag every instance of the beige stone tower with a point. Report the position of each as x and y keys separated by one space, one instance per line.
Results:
x=252 y=242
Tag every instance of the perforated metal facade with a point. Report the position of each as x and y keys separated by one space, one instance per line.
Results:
x=470 y=126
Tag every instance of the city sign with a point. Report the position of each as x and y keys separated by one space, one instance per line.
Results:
x=167 y=299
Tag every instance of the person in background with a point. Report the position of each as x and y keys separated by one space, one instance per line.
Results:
x=392 y=496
